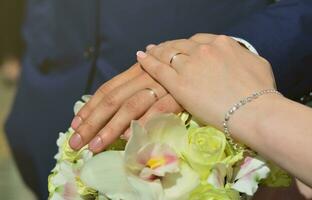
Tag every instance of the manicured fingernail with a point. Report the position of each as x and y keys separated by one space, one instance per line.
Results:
x=141 y=54
x=75 y=141
x=150 y=46
x=96 y=144
x=76 y=122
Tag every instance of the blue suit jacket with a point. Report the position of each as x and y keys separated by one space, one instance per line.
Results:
x=65 y=38
x=282 y=33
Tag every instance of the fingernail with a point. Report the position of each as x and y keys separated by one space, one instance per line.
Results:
x=75 y=141
x=76 y=122
x=150 y=46
x=141 y=54
x=96 y=144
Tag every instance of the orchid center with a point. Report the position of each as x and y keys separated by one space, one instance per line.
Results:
x=156 y=162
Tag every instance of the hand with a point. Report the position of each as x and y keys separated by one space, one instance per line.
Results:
x=115 y=104
x=209 y=75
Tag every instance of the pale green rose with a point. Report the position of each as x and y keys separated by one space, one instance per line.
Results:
x=206 y=146
x=208 y=192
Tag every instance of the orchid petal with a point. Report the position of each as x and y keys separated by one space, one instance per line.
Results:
x=105 y=172
x=137 y=140
x=218 y=173
x=146 y=190
x=169 y=129
x=249 y=176
x=249 y=165
x=178 y=186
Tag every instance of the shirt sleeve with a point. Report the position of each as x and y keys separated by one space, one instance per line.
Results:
x=246 y=44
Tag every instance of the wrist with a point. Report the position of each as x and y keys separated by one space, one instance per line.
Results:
x=246 y=124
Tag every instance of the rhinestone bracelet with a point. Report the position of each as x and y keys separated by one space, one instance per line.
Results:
x=242 y=103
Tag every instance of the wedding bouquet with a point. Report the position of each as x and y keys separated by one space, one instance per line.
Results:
x=170 y=158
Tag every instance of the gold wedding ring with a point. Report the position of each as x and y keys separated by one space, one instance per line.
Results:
x=174 y=57
x=152 y=92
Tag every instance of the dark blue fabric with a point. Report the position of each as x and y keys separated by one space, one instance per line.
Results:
x=282 y=33
x=56 y=64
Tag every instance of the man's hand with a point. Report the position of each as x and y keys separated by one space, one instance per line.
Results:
x=115 y=104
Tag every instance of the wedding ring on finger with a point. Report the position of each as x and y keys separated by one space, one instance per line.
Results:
x=174 y=57
x=153 y=93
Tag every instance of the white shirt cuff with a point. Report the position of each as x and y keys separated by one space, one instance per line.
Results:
x=246 y=44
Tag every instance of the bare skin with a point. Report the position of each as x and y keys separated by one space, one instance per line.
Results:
x=207 y=79
x=93 y=119
x=115 y=104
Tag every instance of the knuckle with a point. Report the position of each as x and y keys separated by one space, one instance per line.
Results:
x=205 y=49
x=89 y=124
x=156 y=51
x=223 y=39
x=110 y=100
x=197 y=36
x=84 y=112
x=105 y=88
x=86 y=127
x=132 y=105
x=109 y=130
x=162 y=107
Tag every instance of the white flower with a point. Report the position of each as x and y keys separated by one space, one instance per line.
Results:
x=249 y=175
x=150 y=167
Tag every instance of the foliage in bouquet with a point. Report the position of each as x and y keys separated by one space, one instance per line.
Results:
x=170 y=158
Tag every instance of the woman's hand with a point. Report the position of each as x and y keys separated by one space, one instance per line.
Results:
x=212 y=74
x=208 y=75
x=115 y=104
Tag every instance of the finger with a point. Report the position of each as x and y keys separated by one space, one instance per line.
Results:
x=132 y=109
x=205 y=38
x=162 y=72
x=168 y=50
x=150 y=46
x=171 y=56
x=106 y=108
x=85 y=111
x=165 y=54
x=166 y=104
x=178 y=62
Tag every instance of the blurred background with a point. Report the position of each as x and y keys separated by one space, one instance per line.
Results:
x=11 y=51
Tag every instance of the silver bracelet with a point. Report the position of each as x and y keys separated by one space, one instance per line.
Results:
x=242 y=103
